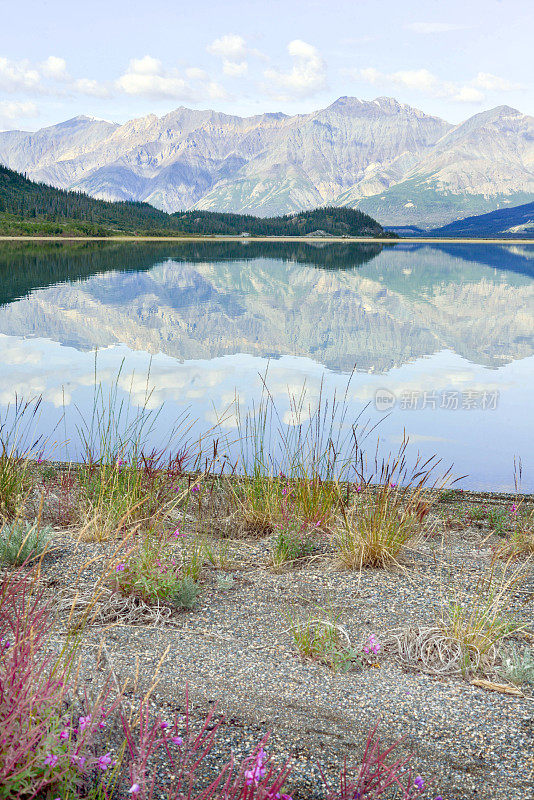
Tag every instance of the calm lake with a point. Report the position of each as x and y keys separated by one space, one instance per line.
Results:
x=439 y=339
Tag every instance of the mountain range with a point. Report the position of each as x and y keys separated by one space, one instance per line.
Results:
x=390 y=160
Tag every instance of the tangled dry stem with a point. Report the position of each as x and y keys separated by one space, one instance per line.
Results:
x=111 y=608
x=430 y=650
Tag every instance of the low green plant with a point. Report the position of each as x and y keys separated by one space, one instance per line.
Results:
x=155 y=575
x=225 y=582
x=499 y=520
x=322 y=638
x=23 y=541
x=293 y=541
x=518 y=666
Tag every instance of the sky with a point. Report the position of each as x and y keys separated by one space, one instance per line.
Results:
x=121 y=59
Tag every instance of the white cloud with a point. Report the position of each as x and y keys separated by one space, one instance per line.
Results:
x=11 y=111
x=196 y=74
x=485 y=80
x=235 y=69
x=56 y=68
x=307 y=76
x=90 y=87
x=420 y=79
x=148 y=77
x=230 y=47
x=434 y=27
x=424 y=81
x=233 y=51
x=468 y=94
x=18 y=76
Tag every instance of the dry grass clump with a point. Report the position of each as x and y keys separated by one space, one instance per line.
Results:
x=108 y=607
x=520 y=541
x=481 y=618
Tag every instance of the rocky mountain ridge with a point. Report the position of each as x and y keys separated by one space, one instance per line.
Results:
x=389 y=159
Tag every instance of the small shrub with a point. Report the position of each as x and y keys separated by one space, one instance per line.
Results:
x=376 y=775
x=43 y=749
x=518 y=666
x=22 y=541
x=254 y=778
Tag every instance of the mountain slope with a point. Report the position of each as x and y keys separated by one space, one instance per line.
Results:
x=30 y=207
x=515 y=222
x=386 y=158
x=483 y=164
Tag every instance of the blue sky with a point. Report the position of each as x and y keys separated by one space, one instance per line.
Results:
x=119 y=59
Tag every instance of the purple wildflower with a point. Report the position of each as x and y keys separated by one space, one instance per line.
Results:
x=120 y=567
x=419 y=783
x=104 y=762
x=51 y=760
x=64 y=734
x=254 y=775
x=134 y=788
x=177 y=740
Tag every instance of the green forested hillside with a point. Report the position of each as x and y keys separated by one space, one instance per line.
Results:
x=28 y=208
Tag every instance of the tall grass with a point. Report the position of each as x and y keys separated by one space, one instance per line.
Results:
x=124 y=483
x=18 y=442
x=389 y=510
x=302 y=459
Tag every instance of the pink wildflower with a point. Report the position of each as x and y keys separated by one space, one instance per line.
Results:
x=51 y=760
x=134 y=788
x=177 y=740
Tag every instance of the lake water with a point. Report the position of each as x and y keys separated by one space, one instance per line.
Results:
x=439 y=339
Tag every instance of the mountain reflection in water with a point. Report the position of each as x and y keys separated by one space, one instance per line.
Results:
x=417 y=317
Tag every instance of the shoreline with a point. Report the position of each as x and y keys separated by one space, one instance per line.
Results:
x=472 y=495
x=296 y=239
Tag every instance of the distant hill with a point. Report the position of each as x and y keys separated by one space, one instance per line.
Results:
x=516 y=222
x=27 y=207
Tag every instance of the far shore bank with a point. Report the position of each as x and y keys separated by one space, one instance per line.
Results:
x=244 y=240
